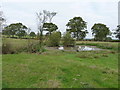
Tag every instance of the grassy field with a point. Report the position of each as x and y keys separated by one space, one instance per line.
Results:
x=57 y=69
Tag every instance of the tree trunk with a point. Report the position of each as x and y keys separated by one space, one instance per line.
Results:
x=77 y=36
x=41 y=38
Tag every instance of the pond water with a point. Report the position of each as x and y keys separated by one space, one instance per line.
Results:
x=76 y=48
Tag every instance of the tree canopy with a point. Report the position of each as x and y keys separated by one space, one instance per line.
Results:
x=118 y=32
x=67 y=40
x=54 y=39
x=100 y=31
x=50 y=27
x=77 y=27
x=15 y=29
x=32 y=34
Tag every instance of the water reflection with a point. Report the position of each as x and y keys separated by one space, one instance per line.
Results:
x=79 y=48
x=87 y=48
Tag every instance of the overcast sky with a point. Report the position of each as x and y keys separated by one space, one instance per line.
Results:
x=92 y=11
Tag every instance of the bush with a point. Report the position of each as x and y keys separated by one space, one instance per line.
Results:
x=54 y=39
x=68 y=40
x=108 y=39
x=34 y=48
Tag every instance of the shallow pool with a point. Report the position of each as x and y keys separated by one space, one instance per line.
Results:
x=76 y=48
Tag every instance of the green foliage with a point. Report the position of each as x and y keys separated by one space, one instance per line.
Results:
x=32 y=34
x=15 y=29
x=21 y=33
x=34 y=48
x=118 y=32
x=50 y=27
x=67 y=40
x=77 y=27
x=108 y=39
x=100 y=31
x=54 y=39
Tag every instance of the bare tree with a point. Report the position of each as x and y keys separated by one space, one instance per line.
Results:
x=51 y=15
x=42 y=18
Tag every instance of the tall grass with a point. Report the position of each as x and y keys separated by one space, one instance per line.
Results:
x=11 y=46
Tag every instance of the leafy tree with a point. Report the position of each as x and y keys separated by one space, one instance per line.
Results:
x=108 y=39
x=83 y=34
x=50 y=27
x=21 y=33
x=10 y=30
x=21 y=29
x=15 y=29
x=77 y=27
x=100 y=31
x=118 y=32
x=54 y=39
x=68 y=40
x=32 y=34
x=6 y=32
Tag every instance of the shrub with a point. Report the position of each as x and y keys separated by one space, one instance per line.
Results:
x=68 y=40
x=54 y=39
x=34 y=48
x=108 y=39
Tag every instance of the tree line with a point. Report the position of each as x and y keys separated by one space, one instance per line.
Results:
x=76 y=26
x=17 y=29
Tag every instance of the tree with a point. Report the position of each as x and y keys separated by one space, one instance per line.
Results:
x=50 y=27
x=15 y=29
x=77 y=27
x=21 y=29
x=10 y=30
x=54 y=39
x=21 y=33
x=117 y=33
x=100 y=31
x=68 y=40
x=43 y=18
x=83 y=34
x=50 y=15
x=32 y=34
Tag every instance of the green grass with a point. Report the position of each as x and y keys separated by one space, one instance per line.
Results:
x=60 y=70
x=57 y=69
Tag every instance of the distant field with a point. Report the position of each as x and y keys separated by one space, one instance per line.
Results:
x=57 y=69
